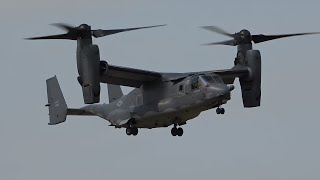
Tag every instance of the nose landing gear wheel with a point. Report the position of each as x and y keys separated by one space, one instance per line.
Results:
x=220 y=110
x=132 y=131
x=176 y=131
x=179 y=131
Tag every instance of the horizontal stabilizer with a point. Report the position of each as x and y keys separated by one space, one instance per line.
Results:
x=79 y=112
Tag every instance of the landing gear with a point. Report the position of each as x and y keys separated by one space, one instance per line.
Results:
x=132 y=131
x=176 y=131
x=220 y=110
x=180 y=131
x=129 y=131
x=135 y=131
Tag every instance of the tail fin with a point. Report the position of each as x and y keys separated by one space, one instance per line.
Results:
x=114 y=92
x=56 y=102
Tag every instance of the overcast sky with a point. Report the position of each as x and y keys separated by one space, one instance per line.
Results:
x=279 y=140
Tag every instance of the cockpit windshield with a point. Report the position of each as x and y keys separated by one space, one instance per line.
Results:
x=217 y=79
x=208 y=79
x=212 y=79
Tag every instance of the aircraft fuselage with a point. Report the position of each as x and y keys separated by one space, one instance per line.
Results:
x=163 y=104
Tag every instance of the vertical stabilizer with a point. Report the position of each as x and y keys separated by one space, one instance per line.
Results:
x=114 y=92
x=56 y=102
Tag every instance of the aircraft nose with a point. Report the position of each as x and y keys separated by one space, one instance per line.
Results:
x=223 y=91
x=218 y=91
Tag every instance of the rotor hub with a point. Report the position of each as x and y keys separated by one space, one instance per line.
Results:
x=243 y=37
x=245 y=33
x=84 y=27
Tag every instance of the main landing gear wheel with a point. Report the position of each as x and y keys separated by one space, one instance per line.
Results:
x=220 y=110
x=176 y=131
x=132 y=131
x=129 y=131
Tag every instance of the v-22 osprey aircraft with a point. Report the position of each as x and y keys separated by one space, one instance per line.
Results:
x=159 y=99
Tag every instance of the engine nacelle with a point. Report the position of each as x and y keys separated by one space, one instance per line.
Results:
x=89 y=68
x=251 y=85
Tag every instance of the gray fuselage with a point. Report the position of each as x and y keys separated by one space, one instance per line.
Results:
x=162 y=104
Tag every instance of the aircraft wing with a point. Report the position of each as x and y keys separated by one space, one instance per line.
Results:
x=128 y=76
x=131 y=77
x=227 y=75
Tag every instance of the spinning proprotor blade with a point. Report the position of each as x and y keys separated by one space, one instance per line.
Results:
x=82 y=31
x=245 y=37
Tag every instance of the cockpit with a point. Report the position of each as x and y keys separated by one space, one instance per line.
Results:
x=209 y=85
x=205 y=80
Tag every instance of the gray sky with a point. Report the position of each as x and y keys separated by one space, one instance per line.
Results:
x=279 y=140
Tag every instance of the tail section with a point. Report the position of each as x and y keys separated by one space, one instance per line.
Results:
x=114 y=92
x=56 y=102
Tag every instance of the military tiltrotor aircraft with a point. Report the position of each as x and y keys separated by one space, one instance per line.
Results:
x=159 y=99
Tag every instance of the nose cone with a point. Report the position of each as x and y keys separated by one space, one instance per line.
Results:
x=217 y=90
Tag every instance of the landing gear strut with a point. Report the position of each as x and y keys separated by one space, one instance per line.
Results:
x=220 y=110
x=131 y=131
x=176 y=131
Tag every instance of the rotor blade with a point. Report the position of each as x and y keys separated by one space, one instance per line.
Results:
x=232 y=42
x=262 y=38
x=217 y=30
x=64 y=26
x=100 y=33
x=59 y=36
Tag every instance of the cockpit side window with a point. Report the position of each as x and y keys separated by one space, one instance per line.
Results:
x=194 y=83
x=181 y=88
